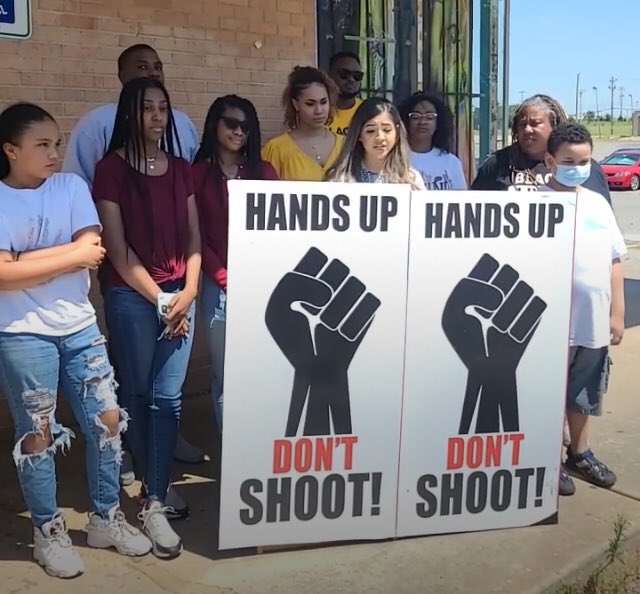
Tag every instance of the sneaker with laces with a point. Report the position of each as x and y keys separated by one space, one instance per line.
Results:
x=566 y=486
x=177 y=508
x=54 y=550
x=166 y=544
x=587 y=467
x=116 y=532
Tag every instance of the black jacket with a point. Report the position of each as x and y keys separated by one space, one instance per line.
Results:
x=510 y=169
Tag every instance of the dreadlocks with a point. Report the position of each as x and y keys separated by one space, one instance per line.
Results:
x=549 y=105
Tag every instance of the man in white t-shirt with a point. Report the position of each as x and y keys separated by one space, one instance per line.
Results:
x=597 y=307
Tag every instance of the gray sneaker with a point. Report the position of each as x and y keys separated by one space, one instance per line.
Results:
x=127 y=474
x=52 y=548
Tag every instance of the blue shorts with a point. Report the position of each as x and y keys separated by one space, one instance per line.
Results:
x=588 y=381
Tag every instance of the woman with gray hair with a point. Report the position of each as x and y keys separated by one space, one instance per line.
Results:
x=520 y=166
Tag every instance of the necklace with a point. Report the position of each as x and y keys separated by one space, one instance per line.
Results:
x=151 y=162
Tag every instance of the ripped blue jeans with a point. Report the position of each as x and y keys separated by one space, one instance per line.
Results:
x=31 y=369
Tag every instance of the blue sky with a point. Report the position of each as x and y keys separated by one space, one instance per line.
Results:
x=553 y=40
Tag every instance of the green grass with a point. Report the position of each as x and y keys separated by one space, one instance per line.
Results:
x=604 y=128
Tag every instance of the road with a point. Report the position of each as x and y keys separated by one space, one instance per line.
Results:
x=625 y=204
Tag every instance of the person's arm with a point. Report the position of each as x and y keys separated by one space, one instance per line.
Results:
x=179 y=306
x=83 y=152
x=486 y=178
x=458 y=179
x=597 y=181
x=268 y=172
x=16 y=275
x=89 y=235
x=617 y=302
x=271 y=155
x=212 y=266
x=121 y=256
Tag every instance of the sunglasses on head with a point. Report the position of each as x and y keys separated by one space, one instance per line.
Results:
x=235 y=123
x=345 y=74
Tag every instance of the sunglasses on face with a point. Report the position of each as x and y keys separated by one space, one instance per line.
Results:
x=235 y=123
x=429 y=117
x=346 y=74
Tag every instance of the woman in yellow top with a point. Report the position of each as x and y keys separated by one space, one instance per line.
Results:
x=308 y=149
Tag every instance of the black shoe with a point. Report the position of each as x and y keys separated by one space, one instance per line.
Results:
x=566 y=486
x=588 y=468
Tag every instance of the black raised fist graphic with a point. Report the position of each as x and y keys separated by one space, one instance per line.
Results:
x=489 y=319
x=318 y=316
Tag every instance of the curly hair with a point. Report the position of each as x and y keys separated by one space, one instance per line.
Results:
x=571 y=133
x=300 y=78
x=443 y=137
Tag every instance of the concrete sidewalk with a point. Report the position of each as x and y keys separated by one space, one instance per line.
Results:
x=518 y=561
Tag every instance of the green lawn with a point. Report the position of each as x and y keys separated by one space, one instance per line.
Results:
x=603 y=129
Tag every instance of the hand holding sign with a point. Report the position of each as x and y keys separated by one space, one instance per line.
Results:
x=318 y=316
x=489 y=319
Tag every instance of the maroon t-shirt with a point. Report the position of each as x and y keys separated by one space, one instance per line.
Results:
x=154 y=215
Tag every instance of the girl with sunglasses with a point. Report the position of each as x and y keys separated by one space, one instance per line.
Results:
x=430 y=127
x=308 y=149
x=145 y=198
x=230 y=149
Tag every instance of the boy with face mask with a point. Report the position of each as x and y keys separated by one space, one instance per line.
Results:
x=597 y=308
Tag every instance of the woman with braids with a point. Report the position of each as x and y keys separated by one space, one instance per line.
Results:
x=230 y=149
x=376 y=148
x=521 y=166
x=145 y=198
x=429 y=124
x=307 y=150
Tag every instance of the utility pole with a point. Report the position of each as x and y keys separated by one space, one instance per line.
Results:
x=580 y=104
x=577 y=92
x=621 y=100
x=598 y=112
x=631 y=101
x=521 y=96
x=612 y=88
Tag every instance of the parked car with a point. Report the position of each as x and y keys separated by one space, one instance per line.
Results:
x=622 y=169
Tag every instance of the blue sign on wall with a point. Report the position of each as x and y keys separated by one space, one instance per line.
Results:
x=7 y=11
x=15 y=19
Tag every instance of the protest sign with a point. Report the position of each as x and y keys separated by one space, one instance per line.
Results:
x=314 y=361
x=486 y=360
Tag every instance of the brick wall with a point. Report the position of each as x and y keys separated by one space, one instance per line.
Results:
x=209 y=48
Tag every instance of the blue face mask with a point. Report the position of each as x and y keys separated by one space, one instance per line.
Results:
x=572 y=176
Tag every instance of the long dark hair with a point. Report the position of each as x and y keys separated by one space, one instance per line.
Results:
x=15 y=120
x=443 y=135
x=127 y=130
x=209 y=147
x=128 y=135
x=349 y=163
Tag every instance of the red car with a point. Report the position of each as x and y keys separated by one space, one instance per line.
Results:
x=622 y=169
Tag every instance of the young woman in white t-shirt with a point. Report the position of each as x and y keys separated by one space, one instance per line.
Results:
x=430 y=127
x=49 y=338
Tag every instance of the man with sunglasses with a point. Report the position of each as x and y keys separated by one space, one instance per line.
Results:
x=346 y=71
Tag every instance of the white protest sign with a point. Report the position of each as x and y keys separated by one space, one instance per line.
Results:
x=488 y=310
x=314 y=361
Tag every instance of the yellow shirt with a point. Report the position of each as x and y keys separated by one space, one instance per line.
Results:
x=292 y=163
x=342 y=119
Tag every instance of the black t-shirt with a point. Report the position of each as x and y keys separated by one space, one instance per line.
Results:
x=509 y=169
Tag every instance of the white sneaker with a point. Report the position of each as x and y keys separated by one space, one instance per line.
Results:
x=166 y=543
x=188 y=453
x=54 y=550
x=118 y=533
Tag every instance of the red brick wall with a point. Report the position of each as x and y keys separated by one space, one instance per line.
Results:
x=209 y=48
